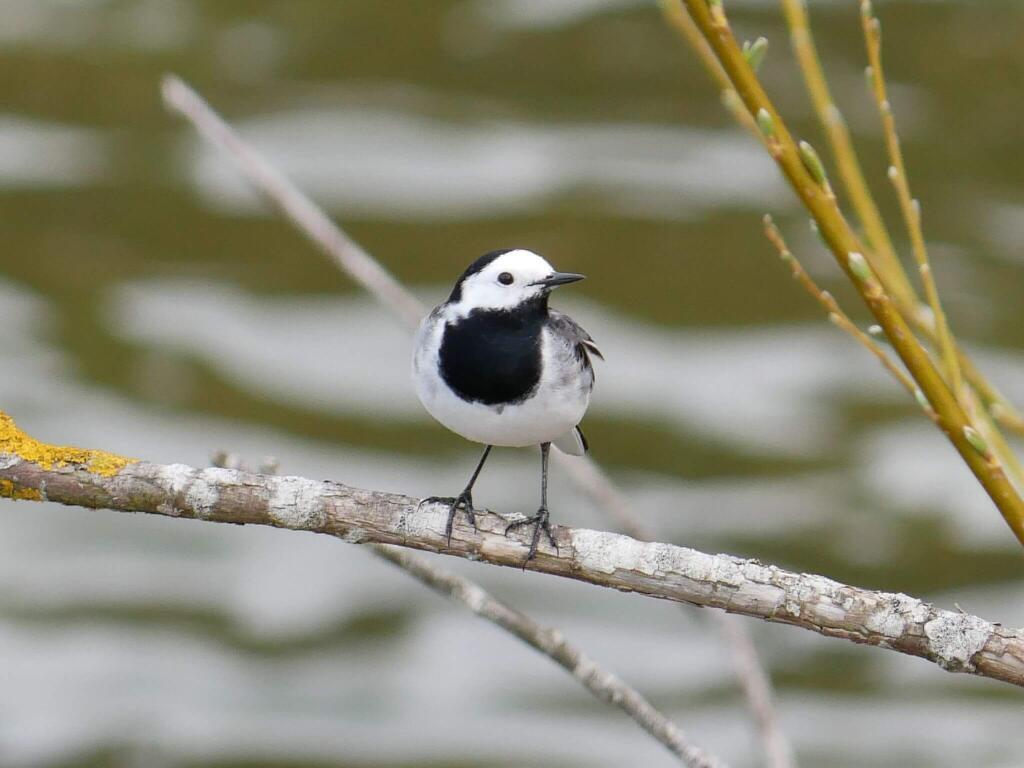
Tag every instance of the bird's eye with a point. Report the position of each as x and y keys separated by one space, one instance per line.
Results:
x=505 y=278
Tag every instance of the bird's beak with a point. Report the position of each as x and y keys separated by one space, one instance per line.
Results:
x=559 y=278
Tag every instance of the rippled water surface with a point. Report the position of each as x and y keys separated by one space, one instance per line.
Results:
x=149 y=304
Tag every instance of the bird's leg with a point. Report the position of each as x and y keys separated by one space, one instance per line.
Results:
x=540 y=520
x=464 y=499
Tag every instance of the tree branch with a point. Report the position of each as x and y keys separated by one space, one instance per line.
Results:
x=957 y=642
x=757 y=687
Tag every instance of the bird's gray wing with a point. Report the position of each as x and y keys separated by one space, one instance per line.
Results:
x=582 y=346
x=577 y=338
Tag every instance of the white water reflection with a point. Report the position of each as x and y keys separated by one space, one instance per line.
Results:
x=148 y=25
x=913 y=469
x=38 y=154
x=56 y=23
x=404 y=165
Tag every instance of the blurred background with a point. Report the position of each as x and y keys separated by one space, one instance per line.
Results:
x=150 y=306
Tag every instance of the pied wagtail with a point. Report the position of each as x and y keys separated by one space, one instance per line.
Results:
x=496 y=365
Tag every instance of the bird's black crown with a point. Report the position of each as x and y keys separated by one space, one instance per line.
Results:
x=477 y=266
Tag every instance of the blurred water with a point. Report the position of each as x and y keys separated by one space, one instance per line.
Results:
x=409 y=167
x=149 y=306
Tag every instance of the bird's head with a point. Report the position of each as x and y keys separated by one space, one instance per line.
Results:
x=506 y=279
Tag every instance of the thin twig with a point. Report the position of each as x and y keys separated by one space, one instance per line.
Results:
x=286 y=197
x=751 y=674
x=944 y=340
x=910 y=208
x=989 y=429
x=995 y=402
x=757 y=687
x=681 y=22
x=835 y=313
x=882 y=255
x=806 y=176
x=957 y=642
x=552 y=643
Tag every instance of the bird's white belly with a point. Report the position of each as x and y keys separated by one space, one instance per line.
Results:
x=550 y=412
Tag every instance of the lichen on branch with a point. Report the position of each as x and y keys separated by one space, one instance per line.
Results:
x=16 y=443
x=955 y=641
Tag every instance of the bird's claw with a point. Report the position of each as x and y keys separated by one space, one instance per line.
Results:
x=464 y=500
x=540 y=523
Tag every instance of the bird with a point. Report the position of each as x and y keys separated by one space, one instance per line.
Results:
x=498 y=366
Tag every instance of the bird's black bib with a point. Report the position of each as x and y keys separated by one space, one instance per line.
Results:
x=493 y=356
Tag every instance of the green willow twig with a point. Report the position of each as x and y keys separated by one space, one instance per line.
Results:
x=942 y=338
x=994 y=401
x=836 y=314
x=893 y=277
x=910 y=207
x=840 y=319
x=807 y=179
x=882 y=254
x=680 y=21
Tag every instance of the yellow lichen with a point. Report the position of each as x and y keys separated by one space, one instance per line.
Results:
x=8 y=490
x=14 y=441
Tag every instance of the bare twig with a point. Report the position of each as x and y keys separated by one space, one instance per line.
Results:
x=553 y=644
x=955 y=641
x=350 y=257
x=285 y=196
x=750 y=672
x=757 y=687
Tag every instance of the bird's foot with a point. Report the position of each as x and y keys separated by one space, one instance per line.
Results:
x=464 y=500
x=540 y=523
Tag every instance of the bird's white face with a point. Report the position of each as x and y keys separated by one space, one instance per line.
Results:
x=506 y=282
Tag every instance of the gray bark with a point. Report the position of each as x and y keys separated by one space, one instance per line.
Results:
x=957 y=642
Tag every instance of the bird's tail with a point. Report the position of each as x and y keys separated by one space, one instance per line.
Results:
x=573 y=442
